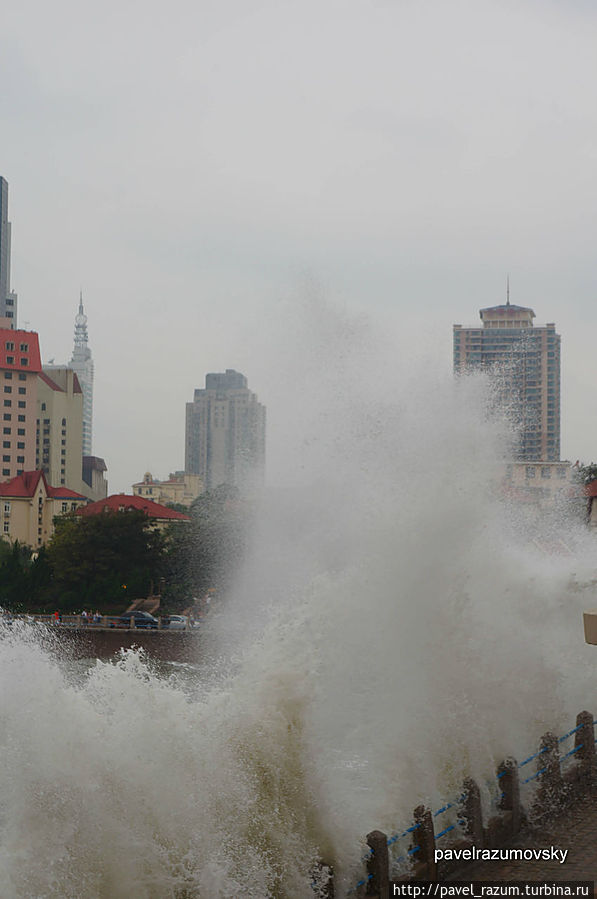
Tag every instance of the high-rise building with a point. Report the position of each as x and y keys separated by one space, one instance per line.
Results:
x=20 y=364
x=526 y=360
x=8 y=299
x=82 y=363
x=59 y=440
x=225 y=432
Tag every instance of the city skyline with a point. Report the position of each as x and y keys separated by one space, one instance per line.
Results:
x=398 y=192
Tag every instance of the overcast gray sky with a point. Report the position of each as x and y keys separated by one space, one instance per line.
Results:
x=198 y=166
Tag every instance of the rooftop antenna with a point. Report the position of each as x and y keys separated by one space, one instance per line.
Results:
x=508 y=290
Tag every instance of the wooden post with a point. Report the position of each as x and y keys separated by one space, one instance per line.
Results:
x=550 y=781
x=507 y=774
x=471 y=812
x=424 y=837
x=378 y=865
x=585 y=738
x=159 y=622
x=132 y=622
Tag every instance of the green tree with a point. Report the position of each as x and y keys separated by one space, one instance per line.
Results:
x=14 y=575
x=587 y=473
x=204 y=554
x=105 y=561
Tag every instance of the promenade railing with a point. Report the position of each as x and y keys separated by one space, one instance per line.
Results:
x=518 y=796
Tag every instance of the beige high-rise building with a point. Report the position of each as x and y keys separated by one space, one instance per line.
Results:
x=225 y=433
x=59 y=449
x=526 y=357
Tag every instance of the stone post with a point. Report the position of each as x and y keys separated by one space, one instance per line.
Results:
x=551 y=786
x=508 y=780
x=472 y=812
x=424 y=837
x=585 y=738
x=378 y=865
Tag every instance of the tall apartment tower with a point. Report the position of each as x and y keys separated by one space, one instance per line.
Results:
x=8 y=299
x=60 y=427
x=20 y=364
x=225 y=432
x=526 y=359
x=82 y=364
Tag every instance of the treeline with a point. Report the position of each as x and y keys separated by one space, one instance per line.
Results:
x=106 y=561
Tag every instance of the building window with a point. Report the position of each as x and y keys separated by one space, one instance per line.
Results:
x=6 y=527
x=22 y=390
x=22 y=404
x=6 y=430
x=530 y=471
x=561 y=473
x=7 y=508
x=22 y=376
x=10 y=345
x=24 y=361
x=7 y=416
x=6 y=444
x=7 y=388
x=65 y=507
x=8 y=402
x=64 y=422
x=20 y=432
x=10 y=360
x=6 y=471
x=21 y=460
x=24 y=348
x=6 y=458
x=20 y=445
x=43 y=407
x=63 y=442
x=21 y=417
x=545 y=472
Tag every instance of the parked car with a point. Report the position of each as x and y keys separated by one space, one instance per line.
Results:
x=176 y=622
x=142 y=619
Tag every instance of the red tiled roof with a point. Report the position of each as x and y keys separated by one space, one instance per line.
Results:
x=119 y=501
x=25 y=485
x=31 y=355
x=64 y=493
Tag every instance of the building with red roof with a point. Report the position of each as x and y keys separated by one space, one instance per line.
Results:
x=29 y=504
x=20 y=364
x=122 y=502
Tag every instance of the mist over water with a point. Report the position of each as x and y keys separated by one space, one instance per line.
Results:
x=394 y=628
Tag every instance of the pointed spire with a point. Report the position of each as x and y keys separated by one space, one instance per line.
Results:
x=81 y=301
x=508 y=289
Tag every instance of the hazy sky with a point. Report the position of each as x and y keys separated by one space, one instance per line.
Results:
x=199 y=168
